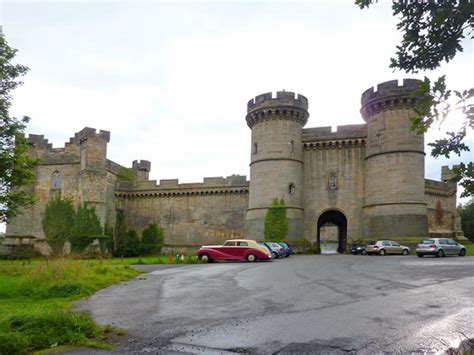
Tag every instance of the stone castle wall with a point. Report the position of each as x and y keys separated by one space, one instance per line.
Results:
x=192 y=214
x=337 y=154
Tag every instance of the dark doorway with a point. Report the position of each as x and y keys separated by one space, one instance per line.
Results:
x=338 y=219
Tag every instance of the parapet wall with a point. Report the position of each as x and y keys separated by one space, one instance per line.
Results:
x=237 y=184
x=342 y=132
x=282 y=98
x=388 y=96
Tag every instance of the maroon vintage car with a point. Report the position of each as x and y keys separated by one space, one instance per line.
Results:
x=235 y=249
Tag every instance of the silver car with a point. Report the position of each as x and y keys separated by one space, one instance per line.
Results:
x=440 y=247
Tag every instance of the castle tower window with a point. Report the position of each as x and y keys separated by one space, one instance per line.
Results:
x=56 y=181
x=291 y=145
x=255 y=148
x=291 y=188
x=332 y=182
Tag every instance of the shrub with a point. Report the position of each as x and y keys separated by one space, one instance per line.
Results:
x=132 y=244
x=152 y=239
x=58 y=219
x=86 y=228
x=276 y=222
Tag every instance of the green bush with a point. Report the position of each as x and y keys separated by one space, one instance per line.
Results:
x=13 y=343
x=57 y=221
x=132 y=244
x=86 y=228
x=153 y=237
x=276 y=222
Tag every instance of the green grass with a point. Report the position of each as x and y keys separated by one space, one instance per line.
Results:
x=35 y=302
x=469 y=247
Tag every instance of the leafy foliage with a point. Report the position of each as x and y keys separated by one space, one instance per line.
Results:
x=57 y=222
x=86 y=228
x=153 y=237
x=16 y=167
x=276 y=222
x=467 y=219
x=132 y=244
x=432 y=34
x=120 y=232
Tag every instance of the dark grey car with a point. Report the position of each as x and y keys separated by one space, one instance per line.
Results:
x=440 y=247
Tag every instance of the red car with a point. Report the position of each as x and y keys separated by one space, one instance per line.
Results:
x=235 y=249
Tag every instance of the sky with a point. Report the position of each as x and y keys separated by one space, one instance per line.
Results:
x=171 y=79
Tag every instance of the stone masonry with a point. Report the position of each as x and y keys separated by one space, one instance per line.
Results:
x=362 y=181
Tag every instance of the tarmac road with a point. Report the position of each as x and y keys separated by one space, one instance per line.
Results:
x=313 y=304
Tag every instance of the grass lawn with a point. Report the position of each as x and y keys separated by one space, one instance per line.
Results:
x=469 y=248
x=35 y=302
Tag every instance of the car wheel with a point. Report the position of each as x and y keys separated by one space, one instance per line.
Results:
x=419 y=255
x=354 y=253
x=382 y=252
x=440 y=253
x=251 y=258
x=275 y=256
x=404 y=252
x=205 y=258
x=462 y=252
x=364 y=252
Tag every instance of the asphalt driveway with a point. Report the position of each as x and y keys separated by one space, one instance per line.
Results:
x=312 y=304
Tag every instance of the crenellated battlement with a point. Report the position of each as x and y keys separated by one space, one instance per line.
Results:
x=172 y=187
x=342 y=133
x=38 y=141
x=88 y=132
x=388 y=96
x=285 y=105
x=141 y=165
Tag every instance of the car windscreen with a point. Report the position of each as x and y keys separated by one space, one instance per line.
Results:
x=372 y=242
x=427 y=241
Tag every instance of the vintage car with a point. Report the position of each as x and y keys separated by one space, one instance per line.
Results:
x=234 y=249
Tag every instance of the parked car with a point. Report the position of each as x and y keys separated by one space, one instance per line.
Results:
x=358 y=249
x=274 y=248
x=287 y=248
x=440 y=247
x=384 y=247
x=234 y=249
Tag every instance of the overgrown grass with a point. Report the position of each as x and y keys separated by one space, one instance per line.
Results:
x=35 y=302
x=469 y=248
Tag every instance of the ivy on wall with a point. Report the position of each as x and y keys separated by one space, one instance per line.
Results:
x=276 y=221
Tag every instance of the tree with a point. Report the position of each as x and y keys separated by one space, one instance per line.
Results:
x=432 y=34
x=132 y=244
x=120 y=233
x=85 y=229
x=57 y=221
x=153 y=237
x=16 y=167
x=276 y=222
x=467 y=219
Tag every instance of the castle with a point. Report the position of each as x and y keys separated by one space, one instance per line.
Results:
x=365 y=181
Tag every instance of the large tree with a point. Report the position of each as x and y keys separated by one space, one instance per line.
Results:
x=16 y=167
x=432 y=33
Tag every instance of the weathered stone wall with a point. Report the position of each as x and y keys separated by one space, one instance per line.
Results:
x=192 y=214
x=337 y=154
x=441 y=205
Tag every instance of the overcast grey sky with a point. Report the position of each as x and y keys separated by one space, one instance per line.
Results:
x=171 y=80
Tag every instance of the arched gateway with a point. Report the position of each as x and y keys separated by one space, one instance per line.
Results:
x=337 y=218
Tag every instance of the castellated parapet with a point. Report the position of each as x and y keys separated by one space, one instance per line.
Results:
x=388 y=96
x=142 y=169
x=286 y=105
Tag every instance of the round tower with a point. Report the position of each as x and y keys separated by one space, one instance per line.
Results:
x=276 y=167
x=395 y=204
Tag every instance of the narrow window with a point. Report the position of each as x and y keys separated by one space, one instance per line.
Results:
x=291 y=145
x=291 y=188
x=255 y=148
x=333 y=182
x=56 y=181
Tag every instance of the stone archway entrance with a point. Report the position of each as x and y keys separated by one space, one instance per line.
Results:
x=328 y=222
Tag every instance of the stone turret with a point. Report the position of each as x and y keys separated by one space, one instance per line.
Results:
x=276 y=167
x=395 y=205
x=142 y=169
